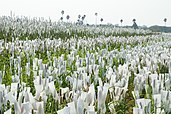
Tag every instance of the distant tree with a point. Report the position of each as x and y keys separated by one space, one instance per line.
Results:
x=96 y=14
x=61 y=18
x=62 y=12
x=81 y=19
x=135 y=26
x=79 y=16
x=134 y=20
x=67 y=17
x=101 y=20
x=121 y=21
x=84 y=16
x=165 y=20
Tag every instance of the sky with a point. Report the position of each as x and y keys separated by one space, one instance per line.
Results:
x=146 y=12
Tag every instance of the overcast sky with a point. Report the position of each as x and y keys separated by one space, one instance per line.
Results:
x=146 y=12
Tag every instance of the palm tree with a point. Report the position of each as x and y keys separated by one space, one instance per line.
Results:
x=135 y=26
x=79 y=16
x=134 y=20
x=61 y=18
x=96 y=14
x=84 y=16
x=62 y=12
x=67 y=17
x=165 y=20
x=101 y=20
x=121 y=21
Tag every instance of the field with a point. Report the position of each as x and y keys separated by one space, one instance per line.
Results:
x=62 y=68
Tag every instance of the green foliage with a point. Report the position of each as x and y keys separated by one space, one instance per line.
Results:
x=120 y=106
x=30 y=83
x=51 y=106
x=57 y=85
x=162 y=68
x=4 y=66
x=7 y=79
x=66 y=32
x=130 y=101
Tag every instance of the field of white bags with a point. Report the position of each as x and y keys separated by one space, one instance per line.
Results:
x=97 y=70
